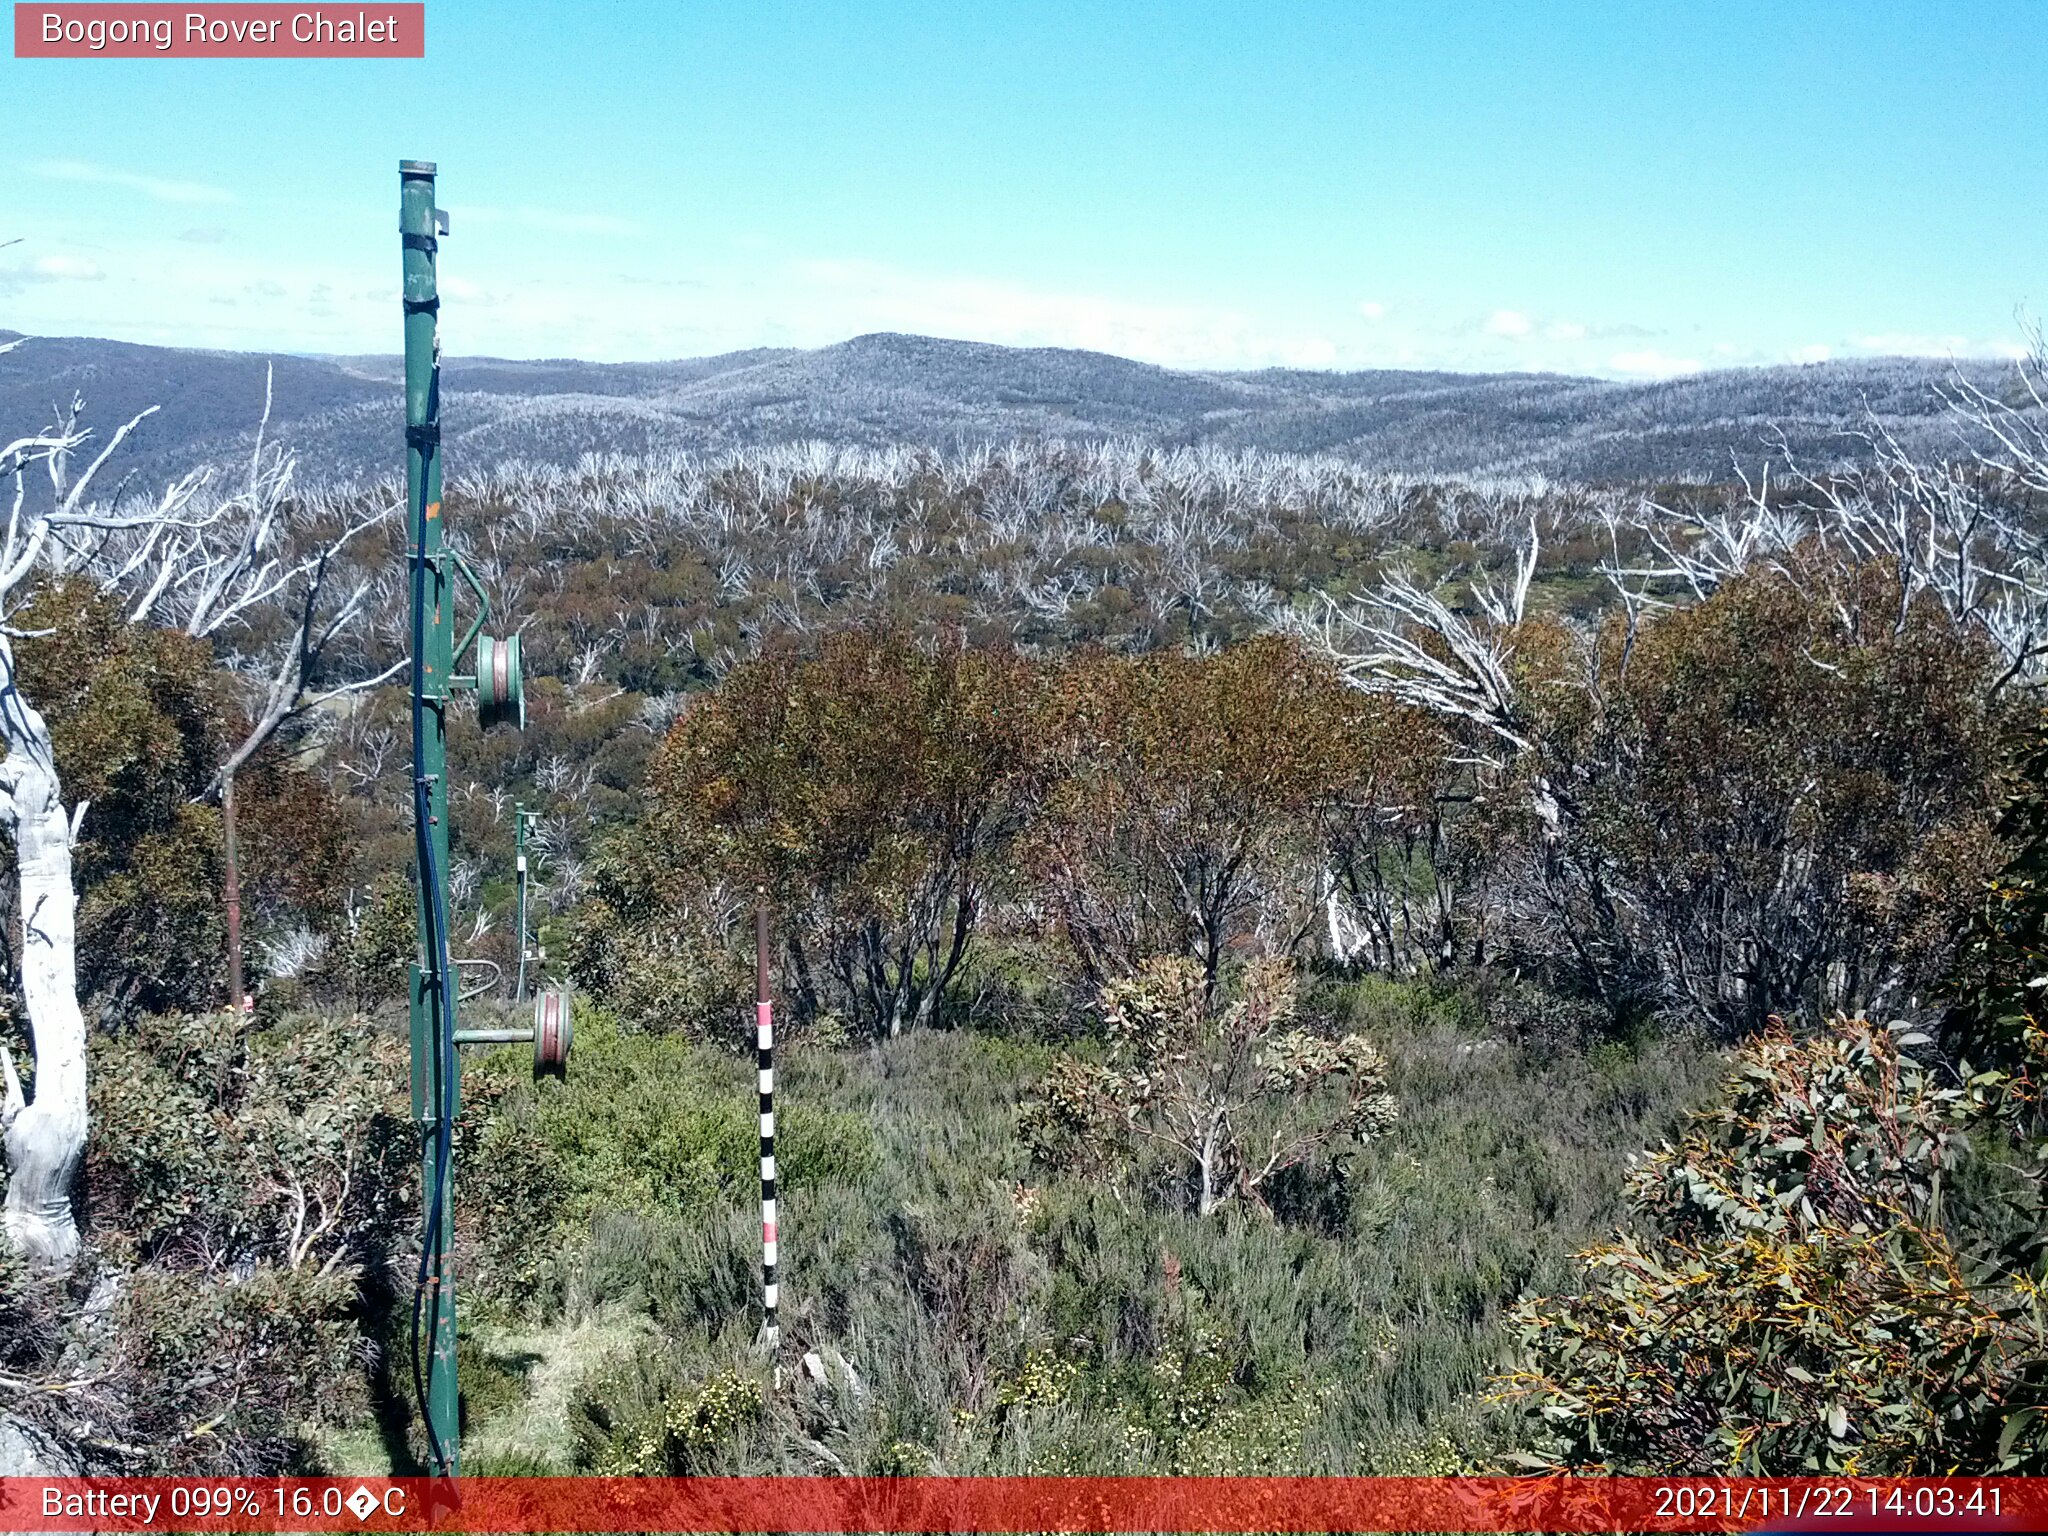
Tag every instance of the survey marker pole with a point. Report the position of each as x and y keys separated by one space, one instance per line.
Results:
x=434 y=1073
x=520 y=818
x=764 y=1052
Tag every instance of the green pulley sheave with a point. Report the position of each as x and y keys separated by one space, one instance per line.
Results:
x=553 y=1027
x=500 y=693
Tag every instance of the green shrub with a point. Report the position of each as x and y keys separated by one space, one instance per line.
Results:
x=1999 y=1020
x=137 y=717
x=240 y=1187
x=380 y=938
x=1228 y=1088
x=1771 y=800
x=1792 y=1302
x=647 y=954
x=639 y=1420
x=658 y=1124
x=232 y=1375
x=646 y=1131
x=490 y=1384
x=288 y=1145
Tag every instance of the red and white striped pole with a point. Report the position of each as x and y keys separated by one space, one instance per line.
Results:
x=764 y=1049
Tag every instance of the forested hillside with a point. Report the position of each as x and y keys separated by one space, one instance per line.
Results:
x=1236 y=916
x=889 y=391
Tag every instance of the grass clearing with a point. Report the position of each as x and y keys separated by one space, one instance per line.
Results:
x=1000 y=1319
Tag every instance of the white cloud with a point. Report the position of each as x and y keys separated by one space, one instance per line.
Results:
x=153 y=187
x=1915 y=344
x=1651 y=364
x=77 y=268
x=1372 y=309
x=1509 y=322
x=1817 y=352
x=50 y=269
x=1565 y=330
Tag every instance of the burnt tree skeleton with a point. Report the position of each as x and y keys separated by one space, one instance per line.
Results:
x=264 y=553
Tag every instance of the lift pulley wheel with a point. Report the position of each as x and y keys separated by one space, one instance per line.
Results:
x=552 y=1029
x=500 y=691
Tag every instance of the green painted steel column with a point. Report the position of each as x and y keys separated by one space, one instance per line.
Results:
x=433 y=1023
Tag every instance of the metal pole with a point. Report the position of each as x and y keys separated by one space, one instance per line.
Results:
x=519 y=815
x=234 y=892
x=434 y=1076
x=764 y=1047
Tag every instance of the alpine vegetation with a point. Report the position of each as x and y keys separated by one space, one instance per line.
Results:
x=1279 y=961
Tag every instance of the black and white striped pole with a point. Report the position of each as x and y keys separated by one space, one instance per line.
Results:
x=764 y=1050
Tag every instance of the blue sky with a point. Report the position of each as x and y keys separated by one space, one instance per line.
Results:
x=1624 y=189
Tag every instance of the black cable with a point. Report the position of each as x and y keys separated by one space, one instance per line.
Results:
x=437 y=959
x=444 y=1132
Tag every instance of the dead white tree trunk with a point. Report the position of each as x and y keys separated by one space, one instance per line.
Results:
x=45 y=1140
x=45 y=1136
x=1408 y=644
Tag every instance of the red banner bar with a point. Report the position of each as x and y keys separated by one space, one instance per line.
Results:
x=372 y=30
x=1018 y=1504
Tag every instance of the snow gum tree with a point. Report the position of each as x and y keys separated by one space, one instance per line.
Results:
x=873 y=789
x=1230 y=1087
x=254 y=562
x=59 y=531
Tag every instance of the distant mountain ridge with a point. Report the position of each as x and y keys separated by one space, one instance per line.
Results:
x=341 y=413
